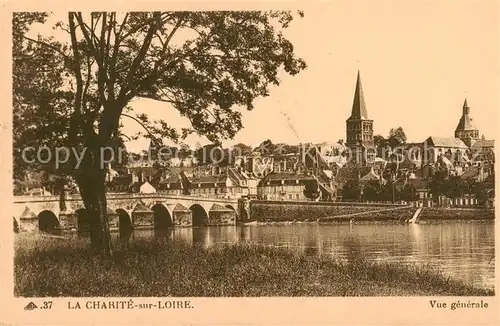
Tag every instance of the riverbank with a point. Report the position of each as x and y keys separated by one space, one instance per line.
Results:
x=61 y=267
x=304 y=212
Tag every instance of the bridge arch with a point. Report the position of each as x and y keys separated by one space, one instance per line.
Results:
x=199 y=215
x=48 y=222
x=124 y=222
x=161 y=217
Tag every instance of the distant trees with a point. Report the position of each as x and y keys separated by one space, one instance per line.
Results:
x=41 y=179
x=311 y=190
x=442 y=184
x=267 y=147
x=210 y=153
x=372 y=191
x=408 y=193
x=283 y=149
x=385 y=146
x=242 y=149
x=351 y=191
x=482 y=192
x=376 y=191
x=397 y=137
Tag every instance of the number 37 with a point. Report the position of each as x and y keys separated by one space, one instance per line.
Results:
x=47 y=305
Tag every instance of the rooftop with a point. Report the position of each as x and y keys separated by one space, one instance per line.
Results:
x=482 y=143
x=446 y=142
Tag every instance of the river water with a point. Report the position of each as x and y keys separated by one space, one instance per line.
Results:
x=461 y=250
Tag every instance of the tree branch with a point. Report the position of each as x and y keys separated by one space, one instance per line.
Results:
x=79 y=82
x=153 y=138
x=50 y=46
x=99 y=60
x=122 y=134
x=165 y=44
x=140 y=56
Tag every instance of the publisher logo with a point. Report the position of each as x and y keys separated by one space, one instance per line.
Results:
x=30 y=306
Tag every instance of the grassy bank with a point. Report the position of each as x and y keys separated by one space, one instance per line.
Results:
x=60 y=267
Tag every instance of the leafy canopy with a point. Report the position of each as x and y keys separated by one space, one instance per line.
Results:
x=74 y=89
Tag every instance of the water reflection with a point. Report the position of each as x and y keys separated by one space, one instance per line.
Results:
x=463 y=250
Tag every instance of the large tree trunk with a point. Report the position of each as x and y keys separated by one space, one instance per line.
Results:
x=91 y=182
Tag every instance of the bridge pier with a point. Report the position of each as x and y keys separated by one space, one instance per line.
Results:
x=142 y=216
x=182 y=216
x=220 y=215
x=28 y=221
x=68 y=220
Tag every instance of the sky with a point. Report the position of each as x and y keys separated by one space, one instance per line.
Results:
x=418 y=61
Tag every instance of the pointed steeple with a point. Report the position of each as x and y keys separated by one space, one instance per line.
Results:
x=358 y=104
x=466 y=109
x=465 y=122
x=466 y=130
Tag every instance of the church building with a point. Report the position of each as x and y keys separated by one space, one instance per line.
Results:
x=467 y=145
x=466 y=130
x=359 y=129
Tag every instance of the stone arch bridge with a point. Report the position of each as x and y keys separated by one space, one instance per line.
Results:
x=125 y=211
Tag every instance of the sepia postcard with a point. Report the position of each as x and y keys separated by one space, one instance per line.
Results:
x=249 y=163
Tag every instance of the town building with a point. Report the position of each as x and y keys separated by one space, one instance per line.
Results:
x=454 y=149
x=143 y=171
x=172 y=185
x=483 y=150
x=226 y=182
x=284 y=186
x=142 y=187
x=120 y=183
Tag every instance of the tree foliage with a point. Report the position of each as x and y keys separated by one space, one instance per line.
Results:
x=73 y=91
x=267 y=147
x=373 y=191
x=351 y=191
x=311 y=190
x=202 y=63
x=451 y=186
x=408 y=193
x=242 y=149
x=397 y=137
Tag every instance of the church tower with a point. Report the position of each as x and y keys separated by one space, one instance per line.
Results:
x=466 y=130
x=359 y=129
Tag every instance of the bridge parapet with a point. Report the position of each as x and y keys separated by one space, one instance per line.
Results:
x=115 y=196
